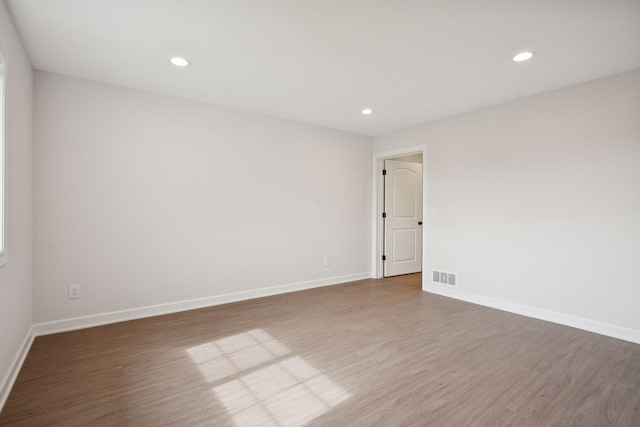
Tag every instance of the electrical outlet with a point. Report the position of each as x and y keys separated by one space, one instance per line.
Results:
x=327 y=261
x=434 y=212
x=462 y=271
x=74 y=291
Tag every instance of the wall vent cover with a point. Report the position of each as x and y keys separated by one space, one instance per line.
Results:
x=451 y=279
x=444 y=278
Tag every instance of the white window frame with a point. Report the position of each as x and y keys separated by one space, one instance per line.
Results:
x=3 y=175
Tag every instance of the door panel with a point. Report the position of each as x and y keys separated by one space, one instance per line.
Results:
x=403 y=208
x=404 y=245
x=404 y=189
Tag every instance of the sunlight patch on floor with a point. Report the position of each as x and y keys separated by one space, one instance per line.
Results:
x=289 y=392
x=231 y=355
x=277 y=389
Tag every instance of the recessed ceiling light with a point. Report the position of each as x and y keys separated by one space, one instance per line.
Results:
x=367 y=111
x=179 y=61
x=523 y=56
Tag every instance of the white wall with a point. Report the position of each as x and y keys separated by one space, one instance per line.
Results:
x=539 y=199
x=16 y=301
x=144 y=199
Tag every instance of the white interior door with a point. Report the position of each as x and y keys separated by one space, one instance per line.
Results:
x=402 y=218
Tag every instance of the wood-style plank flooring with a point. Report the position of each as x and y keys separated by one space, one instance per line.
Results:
x=374 y=352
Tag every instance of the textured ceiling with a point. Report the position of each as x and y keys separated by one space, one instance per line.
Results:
x=322 y=61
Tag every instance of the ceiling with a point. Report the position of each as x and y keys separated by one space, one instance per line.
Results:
x=322 y=61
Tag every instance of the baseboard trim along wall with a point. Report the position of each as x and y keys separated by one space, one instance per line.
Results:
x=83 y=322
x=11 y=375
x=601 y=328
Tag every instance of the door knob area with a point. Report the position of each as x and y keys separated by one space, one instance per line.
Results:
x=419 y=222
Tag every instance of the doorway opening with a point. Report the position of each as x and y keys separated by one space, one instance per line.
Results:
x=405 y=229
x=402 y=216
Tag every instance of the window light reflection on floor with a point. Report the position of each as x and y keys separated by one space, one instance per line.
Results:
x=277 y=388
x=230 y=355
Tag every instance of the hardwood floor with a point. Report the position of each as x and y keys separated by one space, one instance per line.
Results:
x=366 y=353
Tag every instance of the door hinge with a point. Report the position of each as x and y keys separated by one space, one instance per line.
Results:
x=384 y=257
x=384 y=171
x=384 y=214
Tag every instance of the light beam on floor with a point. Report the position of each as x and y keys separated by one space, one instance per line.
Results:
x=260 y=382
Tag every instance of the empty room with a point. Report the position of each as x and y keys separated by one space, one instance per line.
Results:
x=319 y=213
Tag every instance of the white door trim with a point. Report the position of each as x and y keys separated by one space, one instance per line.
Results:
x=377 y=198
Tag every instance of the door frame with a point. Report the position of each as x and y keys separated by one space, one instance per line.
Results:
x=377 y=197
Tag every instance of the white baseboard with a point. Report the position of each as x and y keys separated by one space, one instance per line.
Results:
x=14 y=368
x=601 y=328
x=156 y=310
x=75 y=323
